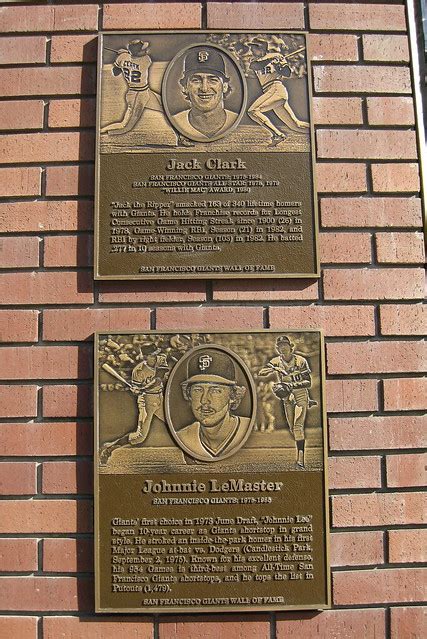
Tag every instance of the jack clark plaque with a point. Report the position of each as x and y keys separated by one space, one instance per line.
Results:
x=204 y=163
x=210 y=479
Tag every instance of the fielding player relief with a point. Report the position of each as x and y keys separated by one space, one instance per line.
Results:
x=210 y=487
x=204 y=164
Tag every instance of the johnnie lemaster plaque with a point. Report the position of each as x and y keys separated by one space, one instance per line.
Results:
x=210 y=489
x=204 y=163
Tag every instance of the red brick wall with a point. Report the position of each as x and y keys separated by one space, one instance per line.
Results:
x=367 y=301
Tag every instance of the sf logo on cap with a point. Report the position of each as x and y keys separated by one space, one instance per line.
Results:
x=203 y=56
x=204 y=362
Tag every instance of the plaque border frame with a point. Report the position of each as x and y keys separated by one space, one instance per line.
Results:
x=326 y=509
x=203 y=276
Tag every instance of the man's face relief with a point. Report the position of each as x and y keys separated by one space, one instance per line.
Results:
x=285 y=350
x=206 y=91
x=210 y=402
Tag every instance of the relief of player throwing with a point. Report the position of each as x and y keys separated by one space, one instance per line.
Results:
x=294 y=380
x=271 y=66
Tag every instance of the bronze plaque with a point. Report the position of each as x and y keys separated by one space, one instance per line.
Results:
x=210 y=478
x=204 y=163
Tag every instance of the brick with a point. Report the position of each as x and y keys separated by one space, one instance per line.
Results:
x=79 y=324
x=27 y=50
x=336 y=321
x=361 y=79
x=75 y=48
x=385 y=48
x=378 y=509
x=378 y=586
x=47 y=81
x=68 y=555
x=360 y=145
x=405 y=394
x=67 y=477
x=351 y=358
x=407 y=546
x=46 y=593
x=24 y=627
x=337 y=111
x=342 y=177
x=219 y=317
x=152 y=292
x=21 y=114
x=390 y=110
x=406 y=470
x=67 y=401
x=18 y=478
x=352 y=17
x=330 y=624
x=354 y=472
x=345 y=247
x=18 y=555
x=92 y=628
x=83 y=17
x=266 y=15
x=264 y=290
x=400 y=248
x=46 y=147
x=70 y=180
x=408 y=621
x=371 y=211
x=46 y=288
x=255 y=627
x=72 y=113
x=46 y=439
x=19 y=182
x=19 y=326
x=45 y=362
x=371 y=433
x=351 y=395
x=68 y=250
x=46 y=216
x=45 y=516
x=373 y=284
x=18 y=401
x=357 y=548
x=19 y=252
x=175 y=15
x=334 y=47
x=403 y=319
x=399 y=176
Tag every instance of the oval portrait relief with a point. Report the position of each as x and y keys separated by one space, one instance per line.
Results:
x=210 y=403
x=204 y=92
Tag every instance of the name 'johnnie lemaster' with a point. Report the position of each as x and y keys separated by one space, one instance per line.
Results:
x=213 y=486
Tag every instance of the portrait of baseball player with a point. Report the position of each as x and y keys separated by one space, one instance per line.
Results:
x=213 y=394
x=133 y=65
x=272 y=67
x=294 y=379
x=205 y=85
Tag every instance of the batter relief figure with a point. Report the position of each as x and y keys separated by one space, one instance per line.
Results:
x=147 y=384
x=271 y=67
x=294 y=380
x=133 y=63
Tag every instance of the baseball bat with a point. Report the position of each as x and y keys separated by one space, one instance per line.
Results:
x=289 y=55
x=115 y=51
x=112 y=372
